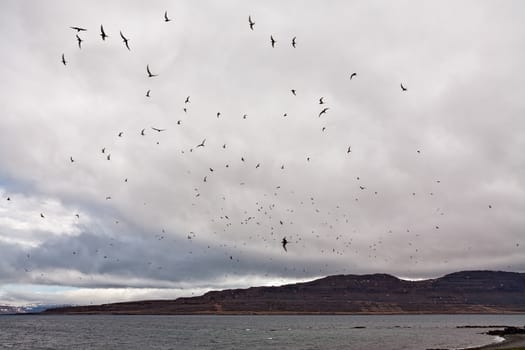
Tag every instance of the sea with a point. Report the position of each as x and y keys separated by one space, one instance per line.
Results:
x=389 y=332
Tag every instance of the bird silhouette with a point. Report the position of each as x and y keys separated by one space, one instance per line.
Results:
x=352 y=75
x=218 y=114
x=272 y=40
x=78 y=29
x=103 y=150
x=321 y=101
x=187 y=100
x=71 y=159
x=294 y=92
x=250 y=22
x=402 y=87
x=103 y=33
x=149 y=72
x=143 y=132
x=284 y=242
x=294 y=42
x=108 y=157
x=166 y=19
x=201 y=144
x=349 y=149
x=120 y=134
x=158 y=130
x=323 y=111
x=79 y=42
x=64 y=62
x=147 y=93
x=42 y=216
x=125 y=40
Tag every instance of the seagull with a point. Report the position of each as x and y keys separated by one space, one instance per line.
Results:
x=120 y=134
x=293 y=42
x=143 y=132
x=352 y=75
x=250 y=22
x=201 y=144
x=103 y=150
x=187 y=100
x=402 y=87
x=42 y=216
x=158 y=130
x=125 y=40
x=349 y=149
x=78 y=29
x=166 y=19
x=294 y=92
x=218 y=114
x=284 y=242
x=244 y=116
x=63 y=60
x=273 y=41
x=323 y=111
x=79 y=42
x=205 y=177
x=258 y=165
x=178 y=122
x=71 y=159
x=149 y=73
x=103 y=33
x=147 y=93
x=321 y=102
x=108 y=157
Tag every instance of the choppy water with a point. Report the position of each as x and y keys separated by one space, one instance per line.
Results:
x=247 y=332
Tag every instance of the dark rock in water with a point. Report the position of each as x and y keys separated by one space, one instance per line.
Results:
x=461 y=292
x=507 y=331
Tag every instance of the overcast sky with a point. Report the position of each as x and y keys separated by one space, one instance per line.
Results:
x=434 y=182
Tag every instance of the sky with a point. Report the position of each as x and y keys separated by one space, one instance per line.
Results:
x=416 y=183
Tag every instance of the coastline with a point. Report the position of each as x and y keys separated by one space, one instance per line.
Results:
x=512 y=341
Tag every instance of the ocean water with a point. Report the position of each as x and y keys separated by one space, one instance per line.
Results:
x=248 y=332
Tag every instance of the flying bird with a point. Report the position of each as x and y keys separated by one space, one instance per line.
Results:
x=402 y=87
x=147 y=93
x=323 y=111
x=149 y=72
x=272 y=40
x=63 y=60
x=349 y=149
x=108 y=157
x=79 y=42
x=201 y=144
x=294 y=42
x=284 y=242
x=294 y=92
x=78 y=29
x=353 y=75
x=71 y=159
x=250 y=22
x=103 y=33
x=218 y=114
x=187 y=100
x=143 y=132
x=120 y=134
x=42 y=216
x=158 y=130
x=321 y=102
x=166 y=19
x=125 y=40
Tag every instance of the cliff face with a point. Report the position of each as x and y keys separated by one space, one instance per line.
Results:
x=461 y=292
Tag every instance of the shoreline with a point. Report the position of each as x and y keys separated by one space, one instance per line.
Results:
x=511 y=341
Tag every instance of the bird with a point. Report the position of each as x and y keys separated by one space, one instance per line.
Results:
x=64 y=62
x=147 y=93
x=125 y=40
x=158 y=130
x=187 y=100
x=166 y=19
x=258 y=165
x=349 y=149
x=143 y=132
x=294 y=92
x=272 y=40
x=321 y=101
x=201 y=144
x=323 y=129
x=402 y=87
x=490 y=206
x=103 y=33
x=42 y=216
x=149 y=72
x=120 y=134
x=205 y=177
x=294 y=42
x=79 y=42
x=179 y=121
x=323 y=111
x=103 y=150
x=108 y=157
x=218 y=114
x=284 y=242
x=250 y=22
x=244 y=116
x=352 y=75
x=78 y=29
x=108 y=198
x=71 y=159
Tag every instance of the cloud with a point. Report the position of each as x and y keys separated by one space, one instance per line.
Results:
x=412 y=198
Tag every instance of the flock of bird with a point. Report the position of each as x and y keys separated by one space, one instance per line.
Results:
x=263 y=210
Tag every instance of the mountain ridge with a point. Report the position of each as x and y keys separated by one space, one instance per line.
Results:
x=459 y=292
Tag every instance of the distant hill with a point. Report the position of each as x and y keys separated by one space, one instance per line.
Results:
x=460 y=292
